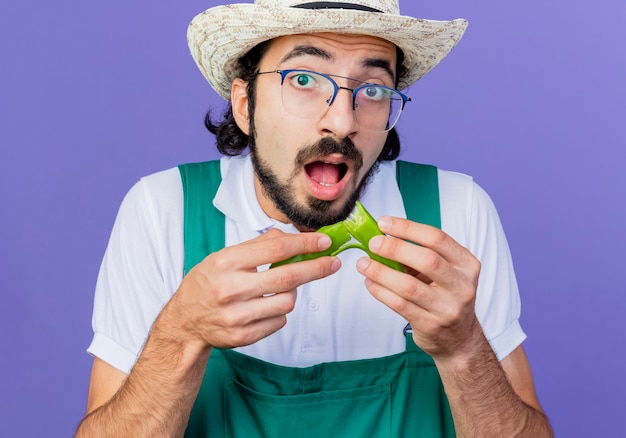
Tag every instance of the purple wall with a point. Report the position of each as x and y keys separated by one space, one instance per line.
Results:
x=532 y=103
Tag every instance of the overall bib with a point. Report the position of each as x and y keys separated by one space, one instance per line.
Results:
x=393 y=396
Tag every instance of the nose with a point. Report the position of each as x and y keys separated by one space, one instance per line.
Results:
x=339 y=118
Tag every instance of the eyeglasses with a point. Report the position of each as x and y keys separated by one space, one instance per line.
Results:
x=307 y=94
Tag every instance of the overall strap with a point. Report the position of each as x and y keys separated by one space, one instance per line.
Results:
x=204 y=224
x=419 y=186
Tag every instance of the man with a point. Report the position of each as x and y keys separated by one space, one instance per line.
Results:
x=315 y=347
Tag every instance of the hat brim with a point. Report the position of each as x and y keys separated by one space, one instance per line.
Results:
x=218 y=36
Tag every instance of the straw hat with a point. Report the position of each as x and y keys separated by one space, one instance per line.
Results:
x=219 y=36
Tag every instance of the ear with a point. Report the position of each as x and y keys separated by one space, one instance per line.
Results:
x=239 y=102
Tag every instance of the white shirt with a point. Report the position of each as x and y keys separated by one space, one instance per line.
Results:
x=335 y=318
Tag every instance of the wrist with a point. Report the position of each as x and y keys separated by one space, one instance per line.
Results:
x=173 y=335
x=474 y=351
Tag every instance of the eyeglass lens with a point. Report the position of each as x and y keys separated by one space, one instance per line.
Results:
x=308 y=94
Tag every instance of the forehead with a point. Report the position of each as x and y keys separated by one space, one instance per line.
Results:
x=332 y=48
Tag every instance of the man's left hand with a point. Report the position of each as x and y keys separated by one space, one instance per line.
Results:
x=437 y=293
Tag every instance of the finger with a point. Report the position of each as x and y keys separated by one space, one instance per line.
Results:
x=395 y=289
x=424 y=235
x=264 y=328
x=429 y=264
x=438 y=257
x=259 y=308
x=290 y=276
x=272 y=248
x=420 y=276
x=249 y=334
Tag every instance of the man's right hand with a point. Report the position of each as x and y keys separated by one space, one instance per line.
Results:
x=226 y=302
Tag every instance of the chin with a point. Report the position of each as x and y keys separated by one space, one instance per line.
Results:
x=317 y=213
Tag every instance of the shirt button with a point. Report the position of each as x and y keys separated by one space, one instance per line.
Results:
x=314 y=306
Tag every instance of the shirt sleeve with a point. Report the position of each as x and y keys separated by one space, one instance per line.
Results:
x=141 y=269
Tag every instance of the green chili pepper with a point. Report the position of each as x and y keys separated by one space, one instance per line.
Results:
x=338 y=235
x=361 y=226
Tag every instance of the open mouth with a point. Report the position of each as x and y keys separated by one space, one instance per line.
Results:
x=326 y=173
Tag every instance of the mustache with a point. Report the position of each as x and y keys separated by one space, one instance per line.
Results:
x=328 y=146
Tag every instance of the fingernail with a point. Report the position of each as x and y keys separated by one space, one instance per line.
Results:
x=384 y=223
x=363 y=263
x=375 y=242
x=324 y=242
x=335 y=265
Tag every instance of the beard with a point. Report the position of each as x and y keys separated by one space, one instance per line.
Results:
x=312 y=213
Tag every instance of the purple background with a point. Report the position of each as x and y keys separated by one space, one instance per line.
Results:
x=532 y=103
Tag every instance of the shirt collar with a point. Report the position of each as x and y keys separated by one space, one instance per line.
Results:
x=236 y=196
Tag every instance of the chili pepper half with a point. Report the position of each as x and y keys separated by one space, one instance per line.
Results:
x=338 y=234
x=361 y=226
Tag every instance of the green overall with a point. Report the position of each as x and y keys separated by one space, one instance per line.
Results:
x=393 y=396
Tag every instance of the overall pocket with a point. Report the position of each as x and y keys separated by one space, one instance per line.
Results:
x=360 y=412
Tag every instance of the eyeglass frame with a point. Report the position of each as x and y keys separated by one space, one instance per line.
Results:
x=336 y=87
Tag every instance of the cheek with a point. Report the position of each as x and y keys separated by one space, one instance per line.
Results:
x=279 y=135
x=276 y=141
x=267 y=122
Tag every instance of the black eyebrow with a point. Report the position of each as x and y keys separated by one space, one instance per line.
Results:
x=307 y=50
x=323 y=54
x=380 y=63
